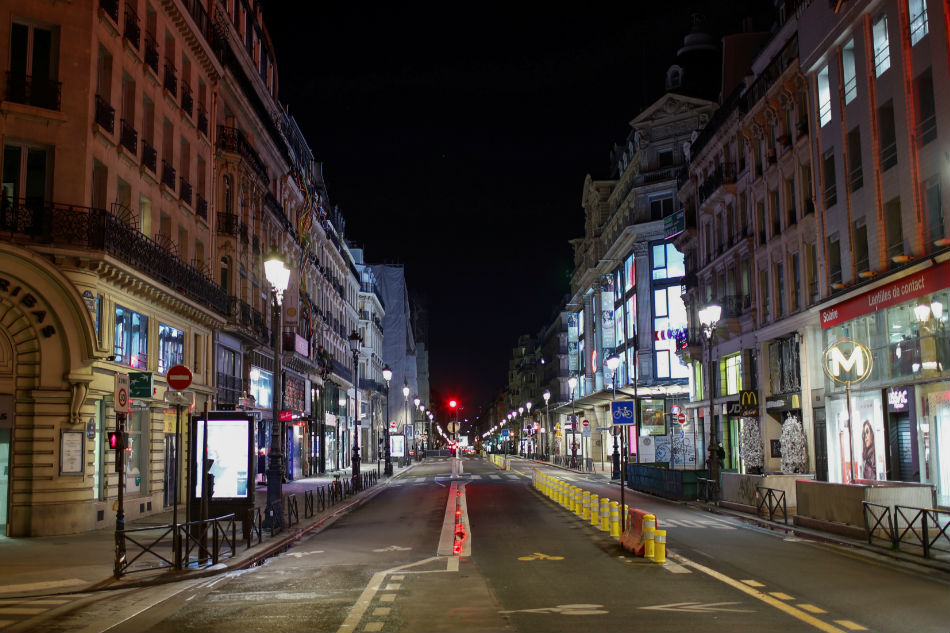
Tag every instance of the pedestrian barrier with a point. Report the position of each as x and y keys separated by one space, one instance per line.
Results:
x=308 y=504
x=595 y=510
x=773 y=500
x=659 y=554
x=925 y=528
x=615 y=519
x=293 y=513
x=633 y=539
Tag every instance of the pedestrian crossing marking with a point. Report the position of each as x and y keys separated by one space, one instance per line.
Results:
x=848 y=624
x=494 y=476
x=780 y=595
x=372 y=627
x=393 y=586
x=381 y=611
x=811 y=608
x=387 y=597
x=701 y=524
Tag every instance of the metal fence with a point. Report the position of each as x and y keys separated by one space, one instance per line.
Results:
x=918 y=530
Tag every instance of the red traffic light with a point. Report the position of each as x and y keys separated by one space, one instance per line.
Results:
x=453 y=404
x=113 y=440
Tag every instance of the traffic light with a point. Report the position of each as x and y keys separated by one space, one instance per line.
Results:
x=113 y=440
x=453 y=404
x=118 y=441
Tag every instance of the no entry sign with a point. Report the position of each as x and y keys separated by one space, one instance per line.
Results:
x=179 y=377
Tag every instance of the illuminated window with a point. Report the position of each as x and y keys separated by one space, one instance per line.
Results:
x=918 y=20
x=882 y=51
x=668 y=262
x=731 y=374
x=131 y=338
x=669 y=314
x=171 y=347
x=850 y=78
x=824 y=97
x=630 y=273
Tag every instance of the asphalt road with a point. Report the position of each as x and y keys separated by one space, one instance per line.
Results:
x=529 y=566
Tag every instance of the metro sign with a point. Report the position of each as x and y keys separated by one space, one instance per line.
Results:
x=847 y=361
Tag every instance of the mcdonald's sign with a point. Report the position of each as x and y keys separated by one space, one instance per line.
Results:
x=749 y=404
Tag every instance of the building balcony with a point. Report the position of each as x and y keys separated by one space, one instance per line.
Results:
x=97 y=230
x=202 y=120
x=168 y=175
x=151 y=53
x=723 y=179
x=105 y=115
x=231 y=139
x=201 y=206
x=34 y=91
x=128 y=137
x=187 y=101
x=184 y=191
x=149 y=156
x=227 y=224
x=132 y=32
x=170 y=83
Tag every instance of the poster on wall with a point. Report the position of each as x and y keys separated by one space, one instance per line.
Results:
x=868 y=436
x=653 y=416
x=608 y=340
x=647 y=449
x=230 y=445
x=397 y=446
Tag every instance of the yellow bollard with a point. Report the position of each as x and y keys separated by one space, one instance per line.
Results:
x=659 y=551
x=585 y=514
x=614 y=519
x=560 y=493
x=571 y=504
x=595 y=510
x=649 y=528
x=577 y=501
x=605 y=515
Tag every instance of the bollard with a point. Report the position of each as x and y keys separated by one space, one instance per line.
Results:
x=614 y=519
x=560 y=493
x=585 y=512
x=595 y=510
x=659 y=551
x=649 y=535
x=605 y=515
x=570 y=498
x=577 y=501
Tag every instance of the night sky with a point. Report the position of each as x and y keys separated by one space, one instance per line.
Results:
x=456 y=139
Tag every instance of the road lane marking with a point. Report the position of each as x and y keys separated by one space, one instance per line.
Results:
x=494 y=476
x=780 y=595
x=759 y=595
x=399 y=577
x=566 y=609
x=373 y=627
x=387 y=597
x=393 y=586
x=811 y=608
x=752 y=583
x=854 y=626
x=381 y=611
x=698 y=607
x=540 y=556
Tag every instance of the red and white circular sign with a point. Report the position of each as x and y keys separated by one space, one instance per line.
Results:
x=681 y=418
x=179 y=377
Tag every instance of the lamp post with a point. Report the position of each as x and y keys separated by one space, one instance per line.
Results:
x=708 y=319
x=387 y=376
x=545 y=449
x=527 y=406
x=612 y=364
x=278 y=275
x=415 y=448
x=405 y=394
x=431 y=417
x=572 y=383
x=355 y=340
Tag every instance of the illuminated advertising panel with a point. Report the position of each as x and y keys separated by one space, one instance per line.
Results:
x=229 y=445
x=397 y=446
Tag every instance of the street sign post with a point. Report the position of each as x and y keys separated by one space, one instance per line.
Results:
x=121 y=402
x=681 y=418
x=622 y=412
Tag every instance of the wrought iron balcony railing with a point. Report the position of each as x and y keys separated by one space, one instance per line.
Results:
x=128 y=137
x=232 y=139
x=132 y=31
x=34 y=91
x=99 y=230
x=168 y=175
x=151 y=53
x=187 y=101
x=171 y=78
x=105 y=115
x=201 y=206
x=184 y=193
x=227 y=224
x=149 y=156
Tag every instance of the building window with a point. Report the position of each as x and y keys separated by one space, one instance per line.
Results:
x=824 y=97
x=632 y=318
x=630 y=273
x=25 y=176
x=887 y=132
x=137 y=453
x=855 y=170
x=33 y=72
x=780 y=288
x=893 y=228
x=660 y=208
x=834 y=259
x=861 y=257
x=936 y=223
x=926 y=108
x=828 y=175
x=918 y=20
x=669 y=318
x=171 y=347
x=131 y=338
x=668 y=262
x=849 y=72
x=730 y=368
x=796 y=282
x=882 y=51
x=811 y=254
x=764 y=295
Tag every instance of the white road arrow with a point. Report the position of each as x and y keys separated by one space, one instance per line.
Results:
x=302 y=554
x=697 y=607
x=566 y=609
x=393 y=548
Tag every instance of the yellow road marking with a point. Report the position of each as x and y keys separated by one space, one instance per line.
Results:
x=758 y=595
x=392 y=586
x=811 y=608
x=387 y=597
x=854 y=626
x=372 y=627
x=540 y=556
x=781 y=596
x=381 y=611
x=753 y=583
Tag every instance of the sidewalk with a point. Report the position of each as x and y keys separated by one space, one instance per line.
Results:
x=939 y=561
x=84 y=562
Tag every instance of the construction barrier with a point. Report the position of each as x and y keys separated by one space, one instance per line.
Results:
x=659 y=554
x=633 y=535
x=595 y=510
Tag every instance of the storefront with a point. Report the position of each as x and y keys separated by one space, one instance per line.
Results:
x=900 y=409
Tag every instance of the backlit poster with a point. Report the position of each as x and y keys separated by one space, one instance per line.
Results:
x=397 y=446
x=229 y=446
x=608 y=337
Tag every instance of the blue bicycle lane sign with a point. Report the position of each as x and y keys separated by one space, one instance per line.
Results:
x=622 y=412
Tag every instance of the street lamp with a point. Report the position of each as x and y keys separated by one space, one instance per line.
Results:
x=612 y=364
x=547 y=427
x=415 y=401
x=708 y=319
x=355 y=341
x=278 y=276
x=405 y=394
x=572 y=383
x=527 y=406
x=387 y=376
